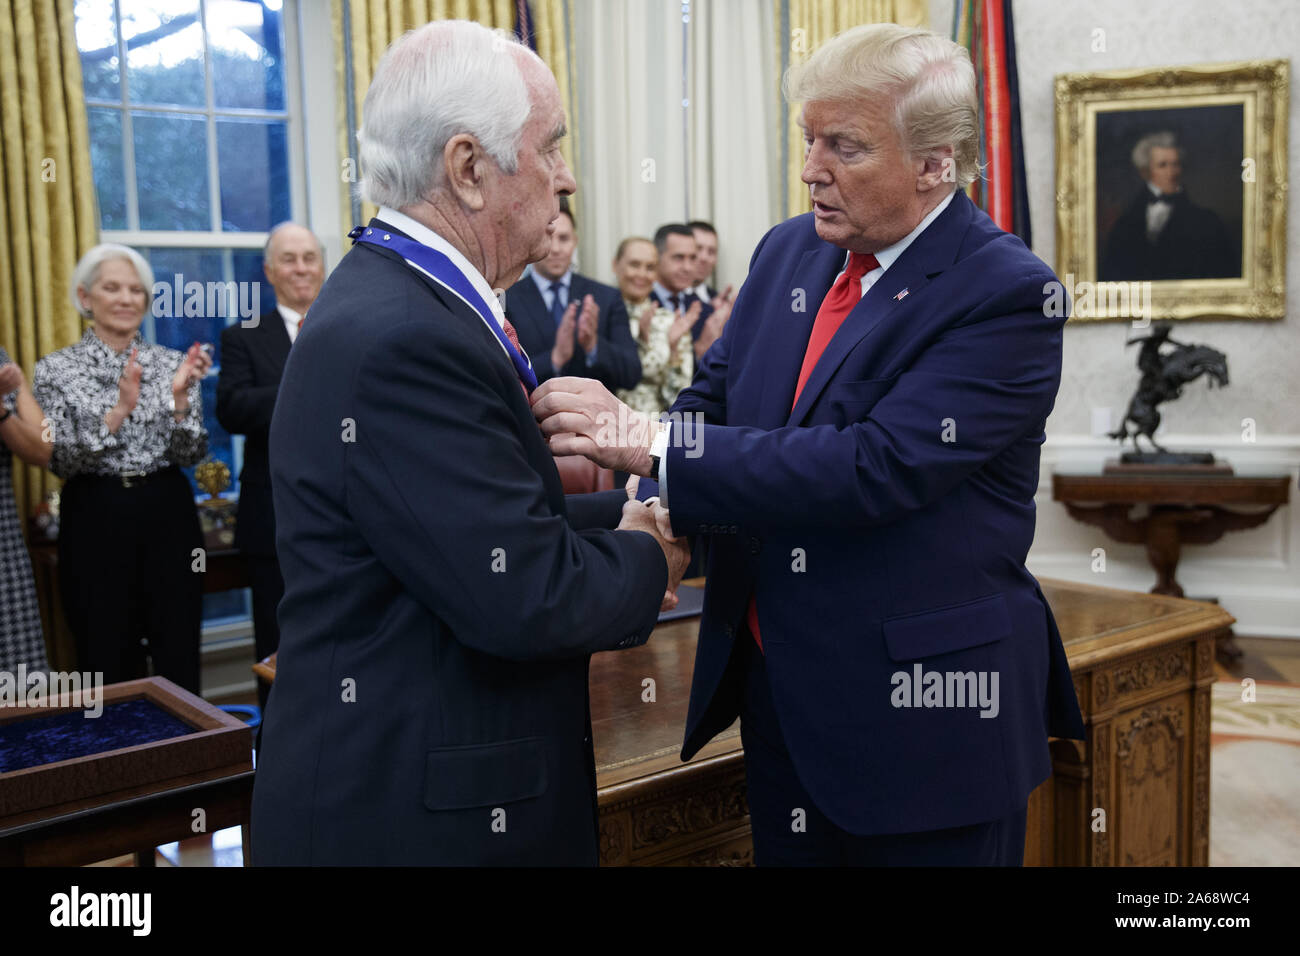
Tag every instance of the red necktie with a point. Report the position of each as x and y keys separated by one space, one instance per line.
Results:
x=835 y=308
x=513 y=336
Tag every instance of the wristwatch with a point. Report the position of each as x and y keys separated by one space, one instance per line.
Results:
x=659 y=448
x=171 y=406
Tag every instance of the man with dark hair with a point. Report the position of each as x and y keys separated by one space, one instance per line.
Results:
x=706 y=257
x=673 y=286
x=570 y=324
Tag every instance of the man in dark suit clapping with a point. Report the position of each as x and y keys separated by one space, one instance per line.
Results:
x=569 y=324
x=252 y=361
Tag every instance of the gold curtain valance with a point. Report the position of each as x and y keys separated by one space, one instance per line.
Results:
x=372 y=25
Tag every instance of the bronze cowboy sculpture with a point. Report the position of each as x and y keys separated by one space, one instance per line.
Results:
x=1163 y=376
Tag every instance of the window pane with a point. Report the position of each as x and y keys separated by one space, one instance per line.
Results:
x=247 y=45
x=97 y=42
x=171 y=171
x=106 y=160
x=253 y=156
x=164 y=51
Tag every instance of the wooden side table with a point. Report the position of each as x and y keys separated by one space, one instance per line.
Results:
x=1163 y=510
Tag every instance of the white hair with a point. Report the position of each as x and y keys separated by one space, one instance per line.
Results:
x=1142 y=151
x=87 y=272
x=929 y=77
x=447 y=78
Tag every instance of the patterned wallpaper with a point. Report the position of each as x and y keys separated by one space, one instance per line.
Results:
x=1263 y=358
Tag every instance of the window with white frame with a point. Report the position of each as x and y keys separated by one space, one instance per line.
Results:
x=191 y=107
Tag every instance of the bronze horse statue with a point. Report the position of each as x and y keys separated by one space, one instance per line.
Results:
x=1163 y=378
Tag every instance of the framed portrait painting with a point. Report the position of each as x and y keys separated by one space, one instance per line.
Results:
x=1171 y=191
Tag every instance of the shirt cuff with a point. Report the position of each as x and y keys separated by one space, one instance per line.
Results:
x=591 y=357
x=663 y=470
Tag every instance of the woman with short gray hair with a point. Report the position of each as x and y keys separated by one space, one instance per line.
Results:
x=125 y=417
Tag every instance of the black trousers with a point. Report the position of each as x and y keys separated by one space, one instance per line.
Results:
x=268 y=588
x=126 y=572
x=775 y=792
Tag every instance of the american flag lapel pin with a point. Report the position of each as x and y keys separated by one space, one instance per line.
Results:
x=901 y=296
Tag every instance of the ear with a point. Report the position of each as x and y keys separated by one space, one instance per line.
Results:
x=465 y=164
x=83 y=297
x=266 y=269
x=935 y=169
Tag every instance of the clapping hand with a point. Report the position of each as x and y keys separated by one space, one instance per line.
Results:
x=192 y=369
x=11 y=378
x=715 y=323
x=682 y=323
x=651 y=517
x=563 y=349
x=588 y=322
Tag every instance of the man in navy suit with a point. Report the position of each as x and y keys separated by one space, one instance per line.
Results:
x=442 y=598
x=252 y=363
x=866 y=469
x=675 y=281
x=569 y=324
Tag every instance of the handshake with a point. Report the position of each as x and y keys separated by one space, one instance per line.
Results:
x=575 y=416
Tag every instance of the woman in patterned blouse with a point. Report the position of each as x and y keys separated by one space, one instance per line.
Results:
x=663 y=338
x=125 y=417
x=21 y=432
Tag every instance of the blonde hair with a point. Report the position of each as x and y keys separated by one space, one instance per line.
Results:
x=929 y=77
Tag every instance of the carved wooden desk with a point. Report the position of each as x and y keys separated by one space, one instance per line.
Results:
x=1142 y=665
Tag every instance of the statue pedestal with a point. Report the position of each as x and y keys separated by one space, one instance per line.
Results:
x=1166 y=463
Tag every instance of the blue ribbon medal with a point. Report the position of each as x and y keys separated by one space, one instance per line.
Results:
x=443 y=271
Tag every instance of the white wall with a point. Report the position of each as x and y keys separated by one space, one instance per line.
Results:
x=1256 y=573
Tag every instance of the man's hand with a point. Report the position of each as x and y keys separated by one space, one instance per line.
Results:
x=682 y=324
x=715 y=323
x=563 y=350
x=11 y=378
x=649 y=516
x=588 y=323
x=579 y=416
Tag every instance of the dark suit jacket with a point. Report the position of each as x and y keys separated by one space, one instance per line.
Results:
x=617 y=363
x=706 y=310
x=252 y=362
x=1193 y=245
x=430 y=701
x=883 y=524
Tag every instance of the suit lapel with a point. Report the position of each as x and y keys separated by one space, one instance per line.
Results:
x=277 y=340
x=527 y=310
x=811 y=281
x=890 y=300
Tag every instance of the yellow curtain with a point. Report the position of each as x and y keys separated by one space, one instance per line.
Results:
x=812 y=23
x=47 y=193
x=375 y=24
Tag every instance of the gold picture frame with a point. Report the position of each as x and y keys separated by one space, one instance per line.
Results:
x=1118 y=258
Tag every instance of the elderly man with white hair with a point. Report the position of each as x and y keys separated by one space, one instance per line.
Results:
x=864 y=457
x=1162 y=234
x=442 y=598
x=252 y=363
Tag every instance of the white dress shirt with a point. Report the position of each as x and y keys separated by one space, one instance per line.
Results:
x=1158 y=213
